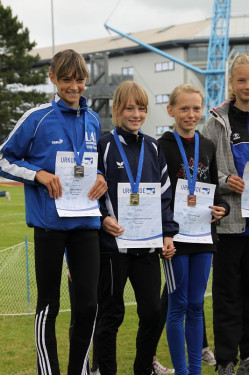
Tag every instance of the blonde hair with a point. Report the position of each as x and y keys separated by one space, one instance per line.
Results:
x=68 y=62
x=124 y=91
x=242 y=59
x=184 y=88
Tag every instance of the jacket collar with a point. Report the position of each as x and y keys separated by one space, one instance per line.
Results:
x=169 y=135
x=220 y=114
x=63 y=107
x=127 y=137
x=222 y=109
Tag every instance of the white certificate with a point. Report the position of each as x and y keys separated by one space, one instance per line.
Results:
x=74 y=200
x=245 y=195
x=194 y=222
x=142 y=223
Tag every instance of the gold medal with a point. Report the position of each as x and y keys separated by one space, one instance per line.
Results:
x=79 y=171
x=134 y=199
x=191 y=201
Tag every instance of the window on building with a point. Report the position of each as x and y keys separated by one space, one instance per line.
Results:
x=89 y=67
x=128 y=71
x=162 y=98
x=162 y=129
x=163 y=66
x=241 y=48
x=197 y=53
x=93 y=68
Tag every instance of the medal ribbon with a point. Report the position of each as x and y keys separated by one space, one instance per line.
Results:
x=191 y=181
x=62 y=121
x=134 y=184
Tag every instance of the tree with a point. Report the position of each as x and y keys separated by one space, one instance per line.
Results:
x=18 y=69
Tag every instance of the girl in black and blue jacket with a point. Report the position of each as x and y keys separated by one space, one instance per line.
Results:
x=140 y=265
x=191 y=157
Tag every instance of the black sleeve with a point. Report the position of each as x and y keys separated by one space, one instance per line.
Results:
x=218 y=201
x=101 y=168
x=169 y=226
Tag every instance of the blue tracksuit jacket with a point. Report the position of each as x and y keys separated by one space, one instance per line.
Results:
x=154 y=169
x=32 y=145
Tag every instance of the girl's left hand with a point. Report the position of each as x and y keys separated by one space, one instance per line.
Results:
x=168 y=249
x=100 y=187
x=217 y=212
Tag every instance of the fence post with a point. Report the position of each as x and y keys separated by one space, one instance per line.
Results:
x=27 y=271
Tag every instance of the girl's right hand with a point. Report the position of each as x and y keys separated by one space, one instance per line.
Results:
x=111 y=226
x=52 y=183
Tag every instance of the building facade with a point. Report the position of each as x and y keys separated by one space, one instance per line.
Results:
x=114 y=59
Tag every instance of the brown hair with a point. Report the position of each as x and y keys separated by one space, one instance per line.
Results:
x=185 y=88
x=124 y=91
x=242 y=59
x=68 y=62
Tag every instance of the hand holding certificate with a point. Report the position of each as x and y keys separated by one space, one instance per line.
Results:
x=142 y=222
x=74 y=200
x=195 y=220
x=245 y=194
x=139 y=207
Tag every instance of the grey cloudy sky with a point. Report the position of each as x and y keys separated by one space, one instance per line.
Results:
x=76 y=20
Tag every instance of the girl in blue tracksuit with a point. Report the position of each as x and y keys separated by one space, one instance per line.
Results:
x=191 y=157
x=140 y=265
x=28 y=155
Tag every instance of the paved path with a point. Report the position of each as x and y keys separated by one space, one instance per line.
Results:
x=6 y=182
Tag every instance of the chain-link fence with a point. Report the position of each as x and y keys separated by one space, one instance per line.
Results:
x=18 y=283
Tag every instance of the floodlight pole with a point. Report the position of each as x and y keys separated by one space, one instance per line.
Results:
x=52 y=24
x=53 y=36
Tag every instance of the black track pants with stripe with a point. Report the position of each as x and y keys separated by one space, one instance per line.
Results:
x=84 y=261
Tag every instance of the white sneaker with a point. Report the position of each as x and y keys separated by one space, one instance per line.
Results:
x=7 y=196
x=243 y=368
x=161 y=370
x=208 y=356
x=97 y=372
x=228 y=370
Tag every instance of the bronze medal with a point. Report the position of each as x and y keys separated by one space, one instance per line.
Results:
x=79 y=171
x=191 y=201
x=134 y=199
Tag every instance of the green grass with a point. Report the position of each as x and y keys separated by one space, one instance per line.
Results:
x=18 y=355
x=13 y=227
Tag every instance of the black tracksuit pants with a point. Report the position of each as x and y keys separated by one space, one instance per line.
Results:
x=231 y=298
x=144 y=274
x=84 y=260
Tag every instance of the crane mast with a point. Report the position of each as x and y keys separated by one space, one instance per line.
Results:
x=217 y=54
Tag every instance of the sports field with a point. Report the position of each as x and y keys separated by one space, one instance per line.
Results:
x=17 y=344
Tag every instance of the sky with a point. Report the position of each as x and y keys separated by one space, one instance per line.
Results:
x=77 y=20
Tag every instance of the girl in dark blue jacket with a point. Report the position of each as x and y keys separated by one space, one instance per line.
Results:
x=140 y=265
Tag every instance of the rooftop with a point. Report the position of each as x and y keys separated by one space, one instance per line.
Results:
x=192 y=31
